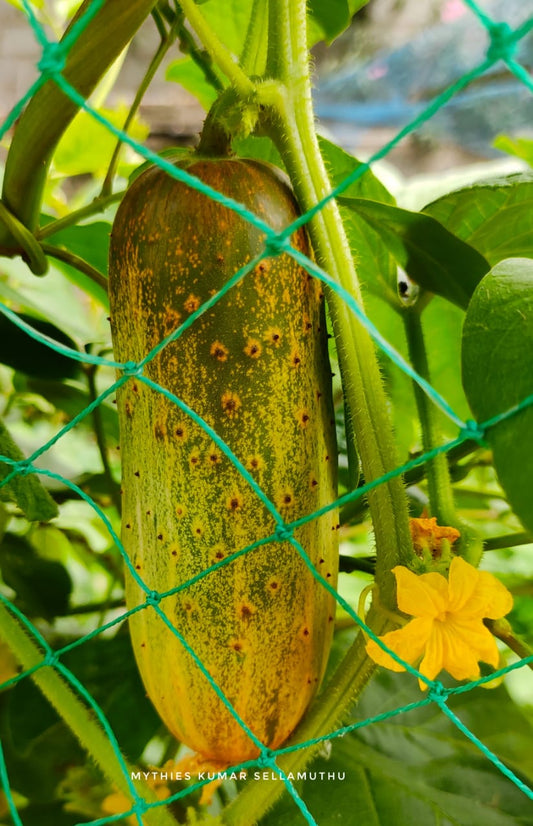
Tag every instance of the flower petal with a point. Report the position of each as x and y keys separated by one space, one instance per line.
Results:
x=495 y=598
x=477 y=638
x=459 y=657
x=463 y=580
x=408 y=643
x=431 y=665
x=420 y=596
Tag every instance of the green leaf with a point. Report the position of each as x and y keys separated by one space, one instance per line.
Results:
x=26 y=491
x=418 y=767
x=34 y=358
x=326 y=21
x=492 y=216
x=376 y=267
x=498 y=373
x=437 y=260
x=519 y=147
x=91 y=243
x=42 y=585
x=187 y=73
x=55 y=299
x=259 y=149
x=340 y=164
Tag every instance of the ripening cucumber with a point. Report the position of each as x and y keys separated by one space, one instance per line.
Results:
x=255 y=367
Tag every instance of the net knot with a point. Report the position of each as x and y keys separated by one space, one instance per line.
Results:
x=53 y=60
x=153 y=598
x=131 y=368
x=276 y=245
x=438 y=693
x=267 y=760
x=141 y=805
x=51 y=659
x=473 y=430
x=503 y=42
x=283 y=533
x=23 y=468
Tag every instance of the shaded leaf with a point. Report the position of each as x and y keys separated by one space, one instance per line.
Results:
x=42 y=585
x=86 y=146
x=89 y=241
x=107 y=668
x=437 y=260
x=34 y=358
x=418 y=767
x=492 y=216
x=25 y=490
x=498 y=373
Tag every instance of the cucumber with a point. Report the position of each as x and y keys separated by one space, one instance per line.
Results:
x=255 y=367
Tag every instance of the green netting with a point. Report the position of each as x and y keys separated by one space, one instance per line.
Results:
x=503 y=44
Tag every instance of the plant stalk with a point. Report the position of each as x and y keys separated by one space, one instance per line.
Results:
x=214 y=46
x=114 y=489
x=50 y=111
x=77 y=262
x=440 y=490
x=290 y=123
x=99 y=204
x=164 y=46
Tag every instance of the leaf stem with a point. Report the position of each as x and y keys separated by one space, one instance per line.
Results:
x=220 y=55
x=253 y=57
x=440 y=491
x=155 y=63
x=355 y=510
x=76 y=714
x=50 y=111
x=501 y=629
x=98 y=424
x=509 y=540
x=78 y=263
x=99 y=204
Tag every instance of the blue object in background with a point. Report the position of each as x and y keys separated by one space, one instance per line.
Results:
x=395 y=86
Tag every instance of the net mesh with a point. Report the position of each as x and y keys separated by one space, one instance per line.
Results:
x=502 y=47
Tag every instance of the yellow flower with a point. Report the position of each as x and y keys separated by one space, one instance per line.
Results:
x=447 y=632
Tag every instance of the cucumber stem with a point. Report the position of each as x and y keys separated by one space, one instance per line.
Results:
x=290 y=123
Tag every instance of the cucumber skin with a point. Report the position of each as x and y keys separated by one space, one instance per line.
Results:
x=256 y=368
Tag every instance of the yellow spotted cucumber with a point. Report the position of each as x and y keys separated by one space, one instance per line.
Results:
x=255 y=368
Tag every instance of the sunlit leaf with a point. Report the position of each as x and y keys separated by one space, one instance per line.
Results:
x=87 y=145
x=492 y=216
x=519 y=147
x=498 y=373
